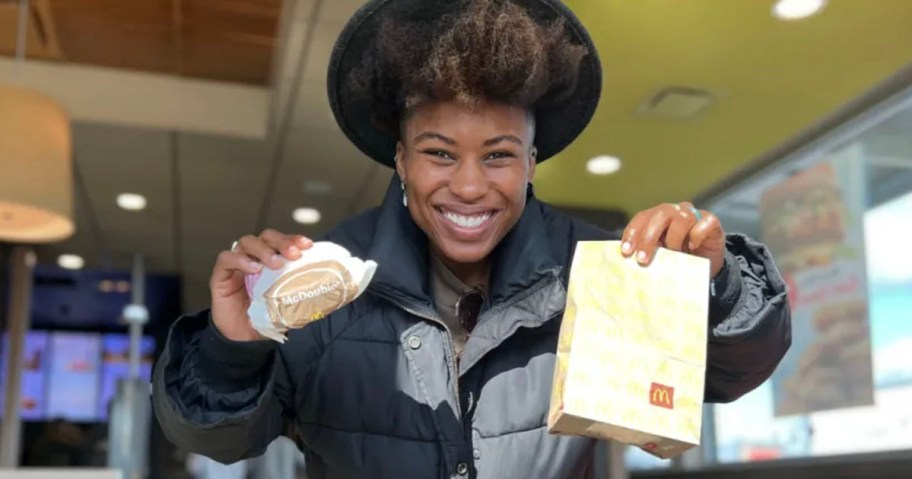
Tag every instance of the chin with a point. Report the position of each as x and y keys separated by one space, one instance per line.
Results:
x=465 y=253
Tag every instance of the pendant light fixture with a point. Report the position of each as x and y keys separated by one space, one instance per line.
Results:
x=36 y=166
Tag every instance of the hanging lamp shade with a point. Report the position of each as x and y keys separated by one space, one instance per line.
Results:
x=36 y=168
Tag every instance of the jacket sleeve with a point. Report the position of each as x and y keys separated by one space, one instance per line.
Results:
x=750 y=321
x=216 y=397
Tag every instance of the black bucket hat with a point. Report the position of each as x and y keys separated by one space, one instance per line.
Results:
x=556 y=125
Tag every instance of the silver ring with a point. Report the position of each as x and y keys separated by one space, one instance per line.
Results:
x=234 y=247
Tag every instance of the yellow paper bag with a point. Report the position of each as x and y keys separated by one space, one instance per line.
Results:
x=631 y=358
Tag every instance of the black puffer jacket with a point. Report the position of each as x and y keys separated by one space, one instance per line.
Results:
x=373 y=392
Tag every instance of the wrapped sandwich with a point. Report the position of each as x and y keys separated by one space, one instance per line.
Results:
x=324 y=279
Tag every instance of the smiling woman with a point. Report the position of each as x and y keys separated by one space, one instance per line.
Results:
x=464 y=114
x=444 y=368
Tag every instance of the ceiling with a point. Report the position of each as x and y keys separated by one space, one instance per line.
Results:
x=227 y=40
x=771 y=79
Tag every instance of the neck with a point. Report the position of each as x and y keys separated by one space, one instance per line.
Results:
x=471 y=274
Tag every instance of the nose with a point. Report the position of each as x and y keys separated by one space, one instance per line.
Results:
x=468 y=181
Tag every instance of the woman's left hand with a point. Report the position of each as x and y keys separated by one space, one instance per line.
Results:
x=678 y=227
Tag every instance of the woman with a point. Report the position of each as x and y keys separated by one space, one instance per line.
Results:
x=444 y=367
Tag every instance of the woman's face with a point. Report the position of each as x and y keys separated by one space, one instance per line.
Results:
x=466 y=172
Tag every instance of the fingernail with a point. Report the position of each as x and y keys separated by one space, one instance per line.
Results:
x=293 y=250
x=254 y=266
x=641 y=257
x=626 y=247
x=277 y=260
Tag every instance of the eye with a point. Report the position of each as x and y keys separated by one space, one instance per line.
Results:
x=438 y=154
x=498 y=156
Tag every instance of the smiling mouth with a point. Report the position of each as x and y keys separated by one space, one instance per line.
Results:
x=474 y=221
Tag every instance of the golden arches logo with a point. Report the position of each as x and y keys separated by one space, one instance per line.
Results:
x=661 y=395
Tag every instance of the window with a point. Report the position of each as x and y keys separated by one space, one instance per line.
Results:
x=838 y=216
x=833 y=216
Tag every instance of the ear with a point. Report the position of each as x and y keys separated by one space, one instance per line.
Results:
x=400 y=161
x=533 y=160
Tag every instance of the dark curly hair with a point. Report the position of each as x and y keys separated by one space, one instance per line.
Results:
x=468 y=51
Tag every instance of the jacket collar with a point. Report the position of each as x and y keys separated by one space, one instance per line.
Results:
x=522 y=258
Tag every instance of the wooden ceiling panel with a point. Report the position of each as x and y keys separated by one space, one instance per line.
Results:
x=150 y=13
x=149 y=49
x=255 y=18
x=40 y=36
x=232 y=57
x=222 y=40
x=229 y=40
x=128 y=34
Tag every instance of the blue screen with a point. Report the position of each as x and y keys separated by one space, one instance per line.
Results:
x=34 y=366
x=73 y=376
x=114 y=366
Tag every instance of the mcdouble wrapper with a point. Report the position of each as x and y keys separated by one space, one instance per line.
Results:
x=324 y=279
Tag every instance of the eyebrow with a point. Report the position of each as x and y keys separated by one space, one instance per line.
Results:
x=430 y=135
x=498 y=139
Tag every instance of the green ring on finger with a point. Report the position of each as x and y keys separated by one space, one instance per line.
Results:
x=696 y=213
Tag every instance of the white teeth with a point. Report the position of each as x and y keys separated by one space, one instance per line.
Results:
x=467 y=221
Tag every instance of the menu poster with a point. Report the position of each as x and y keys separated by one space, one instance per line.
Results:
x=812 y=223
x=115 y=366
x=73 y=376
x=33 y=376
x=34 y=363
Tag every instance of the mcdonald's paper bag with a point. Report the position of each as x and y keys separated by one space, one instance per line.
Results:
x=631 y=357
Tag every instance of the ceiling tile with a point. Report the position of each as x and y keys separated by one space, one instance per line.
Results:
x=324 y=155
x=311 y=107
x=339 y=10
x=324 y=37
x=222 y=185
x=113 y=160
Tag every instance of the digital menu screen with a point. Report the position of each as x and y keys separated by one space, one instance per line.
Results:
x=115 y=366
x=32 y=398
x=34 y=365
x=73 y=376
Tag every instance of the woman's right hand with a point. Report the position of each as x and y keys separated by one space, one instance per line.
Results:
x=251 y=254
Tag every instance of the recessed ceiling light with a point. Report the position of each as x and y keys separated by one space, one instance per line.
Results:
x=604 y=165
x=131 y=201
x=797 y=9
x=70 y=261
x=306 y=216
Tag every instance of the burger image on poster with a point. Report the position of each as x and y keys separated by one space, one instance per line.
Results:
x=325 y=278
